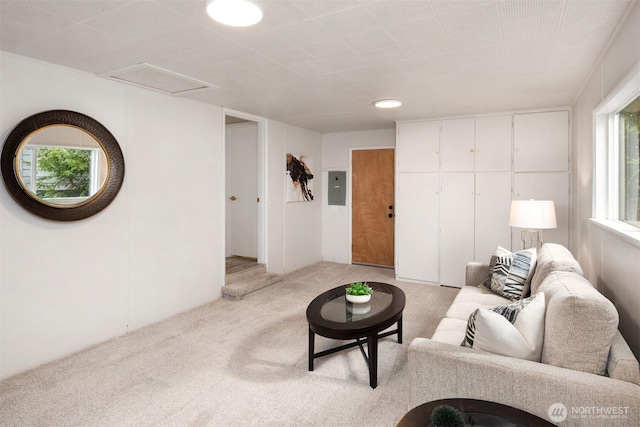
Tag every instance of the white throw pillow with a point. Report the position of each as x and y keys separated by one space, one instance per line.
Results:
x=515 y=330
x=510 y=273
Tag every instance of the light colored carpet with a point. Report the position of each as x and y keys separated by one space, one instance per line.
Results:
x=231 y=363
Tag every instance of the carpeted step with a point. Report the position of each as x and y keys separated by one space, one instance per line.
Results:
x=246 y=274
x=240 y=288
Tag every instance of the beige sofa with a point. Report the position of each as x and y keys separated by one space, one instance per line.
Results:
x=587 y=367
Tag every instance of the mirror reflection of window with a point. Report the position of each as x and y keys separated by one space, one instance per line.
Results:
x=62 y=165
x=26 y=165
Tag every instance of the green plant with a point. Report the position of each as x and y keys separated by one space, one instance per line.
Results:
x=67 y=172
x=447 y=416
x=359 y=288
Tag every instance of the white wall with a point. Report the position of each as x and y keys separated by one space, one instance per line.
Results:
x=303 y=232
x=336 y=234
x=276 y=164
x=610 y=262
x=299 y=243
x=157 y=250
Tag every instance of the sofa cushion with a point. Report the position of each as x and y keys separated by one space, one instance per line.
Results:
x=580 y=323
x=510 y=273
x=471 y=298
x=450 y=331
x=622 y=364
x=553 y=257
x=515 y=330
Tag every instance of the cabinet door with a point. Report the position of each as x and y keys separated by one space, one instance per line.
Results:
x=493 y=144
x=545 y=186
x=457 y=227
x=458 y=146
x=417 y=225
x=541 y=142
x=493 y=203
x=418 y=146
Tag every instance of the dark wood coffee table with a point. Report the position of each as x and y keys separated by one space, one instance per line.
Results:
x=331 y=315
x=475 y=413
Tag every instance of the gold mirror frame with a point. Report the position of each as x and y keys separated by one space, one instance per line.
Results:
x=20 y=136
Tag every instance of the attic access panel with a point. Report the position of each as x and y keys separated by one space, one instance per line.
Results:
x=159 y=79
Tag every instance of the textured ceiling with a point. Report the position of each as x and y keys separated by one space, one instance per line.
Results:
x=320 y=64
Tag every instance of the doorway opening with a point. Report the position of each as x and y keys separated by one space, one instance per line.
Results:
x=245 y=216
x=372 y=206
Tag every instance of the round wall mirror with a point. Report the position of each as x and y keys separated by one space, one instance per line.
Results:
x=62 y=165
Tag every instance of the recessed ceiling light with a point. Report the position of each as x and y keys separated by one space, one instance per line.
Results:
x=388 y=103
x=235 y=13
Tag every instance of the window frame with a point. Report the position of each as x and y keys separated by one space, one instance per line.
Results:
x=606 y=157
x=621 y=158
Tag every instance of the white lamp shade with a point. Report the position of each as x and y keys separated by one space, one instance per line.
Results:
x=533 y=214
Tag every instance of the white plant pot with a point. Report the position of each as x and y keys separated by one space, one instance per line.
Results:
x=358 y=299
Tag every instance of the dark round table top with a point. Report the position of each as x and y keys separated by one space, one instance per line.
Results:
x=475 y=413
x=332 y=316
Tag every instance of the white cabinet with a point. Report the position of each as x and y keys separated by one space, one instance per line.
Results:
x=545 y=186
x=417 y=224
x=475 y=220
x=479 y=164
x=493 y=144
x=541 y=142
x=482 y=144
x=457 y=228
x=458 y=145
x=418 y=146
x=493 y=204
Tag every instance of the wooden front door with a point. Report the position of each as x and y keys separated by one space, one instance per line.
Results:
x=372 y=186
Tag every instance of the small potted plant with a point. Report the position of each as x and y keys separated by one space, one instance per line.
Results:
x=358 y=292
x=447 y=416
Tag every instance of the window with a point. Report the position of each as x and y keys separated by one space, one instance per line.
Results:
x=629 y=163
x=616 y=158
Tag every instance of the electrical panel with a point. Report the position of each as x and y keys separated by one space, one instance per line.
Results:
x=337 y=188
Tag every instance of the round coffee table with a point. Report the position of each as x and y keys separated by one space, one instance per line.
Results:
x=475 y=413
x=331 y=315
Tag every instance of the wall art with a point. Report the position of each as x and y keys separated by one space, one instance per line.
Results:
x=299 y=178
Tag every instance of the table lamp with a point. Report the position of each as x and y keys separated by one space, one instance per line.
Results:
x=532 y=216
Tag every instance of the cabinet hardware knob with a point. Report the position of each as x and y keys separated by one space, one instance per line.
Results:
x=471 y=150
x=233 y=198
x=477 y=151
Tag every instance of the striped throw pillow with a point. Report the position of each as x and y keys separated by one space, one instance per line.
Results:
x=510 y=273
